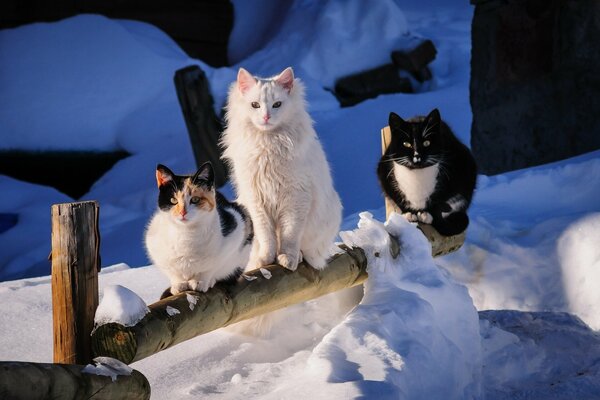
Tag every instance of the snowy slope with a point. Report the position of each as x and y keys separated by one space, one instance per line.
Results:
x=531 y=245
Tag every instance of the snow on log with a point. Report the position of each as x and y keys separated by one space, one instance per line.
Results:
x=32 y=381
x=176 y=318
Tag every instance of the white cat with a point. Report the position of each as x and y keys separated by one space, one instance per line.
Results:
x=280 y=171
x=196 y=237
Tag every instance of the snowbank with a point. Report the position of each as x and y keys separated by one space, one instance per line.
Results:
x=120 y=305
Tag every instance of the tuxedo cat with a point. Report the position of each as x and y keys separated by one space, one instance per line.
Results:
x=280 y=171
x=428 y=173
x=196 y=237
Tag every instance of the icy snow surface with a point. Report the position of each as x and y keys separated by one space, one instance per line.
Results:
x=532 y=244
x=107 y=366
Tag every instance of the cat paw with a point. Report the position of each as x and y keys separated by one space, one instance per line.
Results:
x=179 y=287
x=425 y=217
x=202 y=286
x=410 y=217
x=287 y=261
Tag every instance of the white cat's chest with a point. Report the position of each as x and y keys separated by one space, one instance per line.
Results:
x=416 y=184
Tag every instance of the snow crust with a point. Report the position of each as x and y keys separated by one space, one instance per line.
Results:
x=120 y=305
x=106 y=366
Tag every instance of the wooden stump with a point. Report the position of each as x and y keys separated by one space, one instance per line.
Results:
x=75 y=266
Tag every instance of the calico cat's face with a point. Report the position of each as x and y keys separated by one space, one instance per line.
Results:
x=416 y=143
x=267 y=102
x=186 y=198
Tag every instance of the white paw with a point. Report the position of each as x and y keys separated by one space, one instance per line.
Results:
x=425 y=217
x=287 y=261
x=201 y=286
x=179 y=287
x=410 y=217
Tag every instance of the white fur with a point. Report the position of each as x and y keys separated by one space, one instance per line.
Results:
x=195 y=255
x=280 y=173
x=416 y=184
x=456 y=203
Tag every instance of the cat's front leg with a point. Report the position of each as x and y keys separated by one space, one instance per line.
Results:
x=292 y=221
x=264 y=246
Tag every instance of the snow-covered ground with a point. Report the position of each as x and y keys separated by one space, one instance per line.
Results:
x=532 y=245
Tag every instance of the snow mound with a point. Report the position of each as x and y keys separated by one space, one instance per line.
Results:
x=415 y=333
x=120 y=305
x=539 y=355
x=106 y=366
x=579 y=258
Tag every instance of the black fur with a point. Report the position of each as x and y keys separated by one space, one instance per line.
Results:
x=457 y=169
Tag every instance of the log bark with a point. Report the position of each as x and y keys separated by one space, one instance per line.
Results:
x=225 y=305
x=33 y=381
x=440 y=245
x=75 y=265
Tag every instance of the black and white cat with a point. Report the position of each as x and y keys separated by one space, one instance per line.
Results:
x=428 y=173
x=197 y=237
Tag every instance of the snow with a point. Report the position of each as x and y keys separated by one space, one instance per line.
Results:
x=120 y=305
x=106 y=366
x=265 y=273
x=172 y=311
x=413 y=330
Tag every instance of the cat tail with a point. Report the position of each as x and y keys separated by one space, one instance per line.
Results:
x=452 y=224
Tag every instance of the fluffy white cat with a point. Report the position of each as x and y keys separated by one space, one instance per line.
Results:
x=280 y=171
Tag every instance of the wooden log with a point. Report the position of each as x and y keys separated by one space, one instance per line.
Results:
x=75 y=266
x=203 y=125
x=225 y=305
x=33 y=381
x=440 y=245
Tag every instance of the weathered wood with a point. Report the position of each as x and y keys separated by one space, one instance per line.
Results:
x=33 y=381
x=226 y=305
x=75 y=266
x=440 y=244
x=203 y=125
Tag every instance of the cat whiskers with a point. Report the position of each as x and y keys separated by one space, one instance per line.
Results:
x=428 y=130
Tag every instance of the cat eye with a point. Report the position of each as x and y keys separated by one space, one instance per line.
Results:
x=173 y=200
x=195 y=200
x=255 y=104
x=426 y=143
x=277 y=104
x=406 y=144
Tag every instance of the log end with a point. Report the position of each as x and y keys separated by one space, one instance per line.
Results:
x=114 y=340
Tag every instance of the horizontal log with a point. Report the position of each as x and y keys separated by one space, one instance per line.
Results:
x=33 y=381
x=225 y=305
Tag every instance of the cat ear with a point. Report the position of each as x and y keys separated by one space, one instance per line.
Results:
x=205 y=175
x=434 y=116
x=163 y=175
x=245 y=80
x=286 y=79
x=395 y=121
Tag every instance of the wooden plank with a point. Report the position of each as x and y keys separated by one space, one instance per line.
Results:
x=440 y=245
x=33 y=381
x=75 y=266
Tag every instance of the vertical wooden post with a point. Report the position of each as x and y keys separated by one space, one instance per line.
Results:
x=75 y=266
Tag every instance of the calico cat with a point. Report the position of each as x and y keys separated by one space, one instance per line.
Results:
x=280 y=171
x=196 y=237
x=428 y=173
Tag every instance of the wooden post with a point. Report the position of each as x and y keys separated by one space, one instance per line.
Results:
x=75 y=266
x=440 y=244
x=33 y=381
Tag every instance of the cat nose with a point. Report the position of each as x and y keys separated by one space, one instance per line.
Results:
x=266 y=117
x=183 y=212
